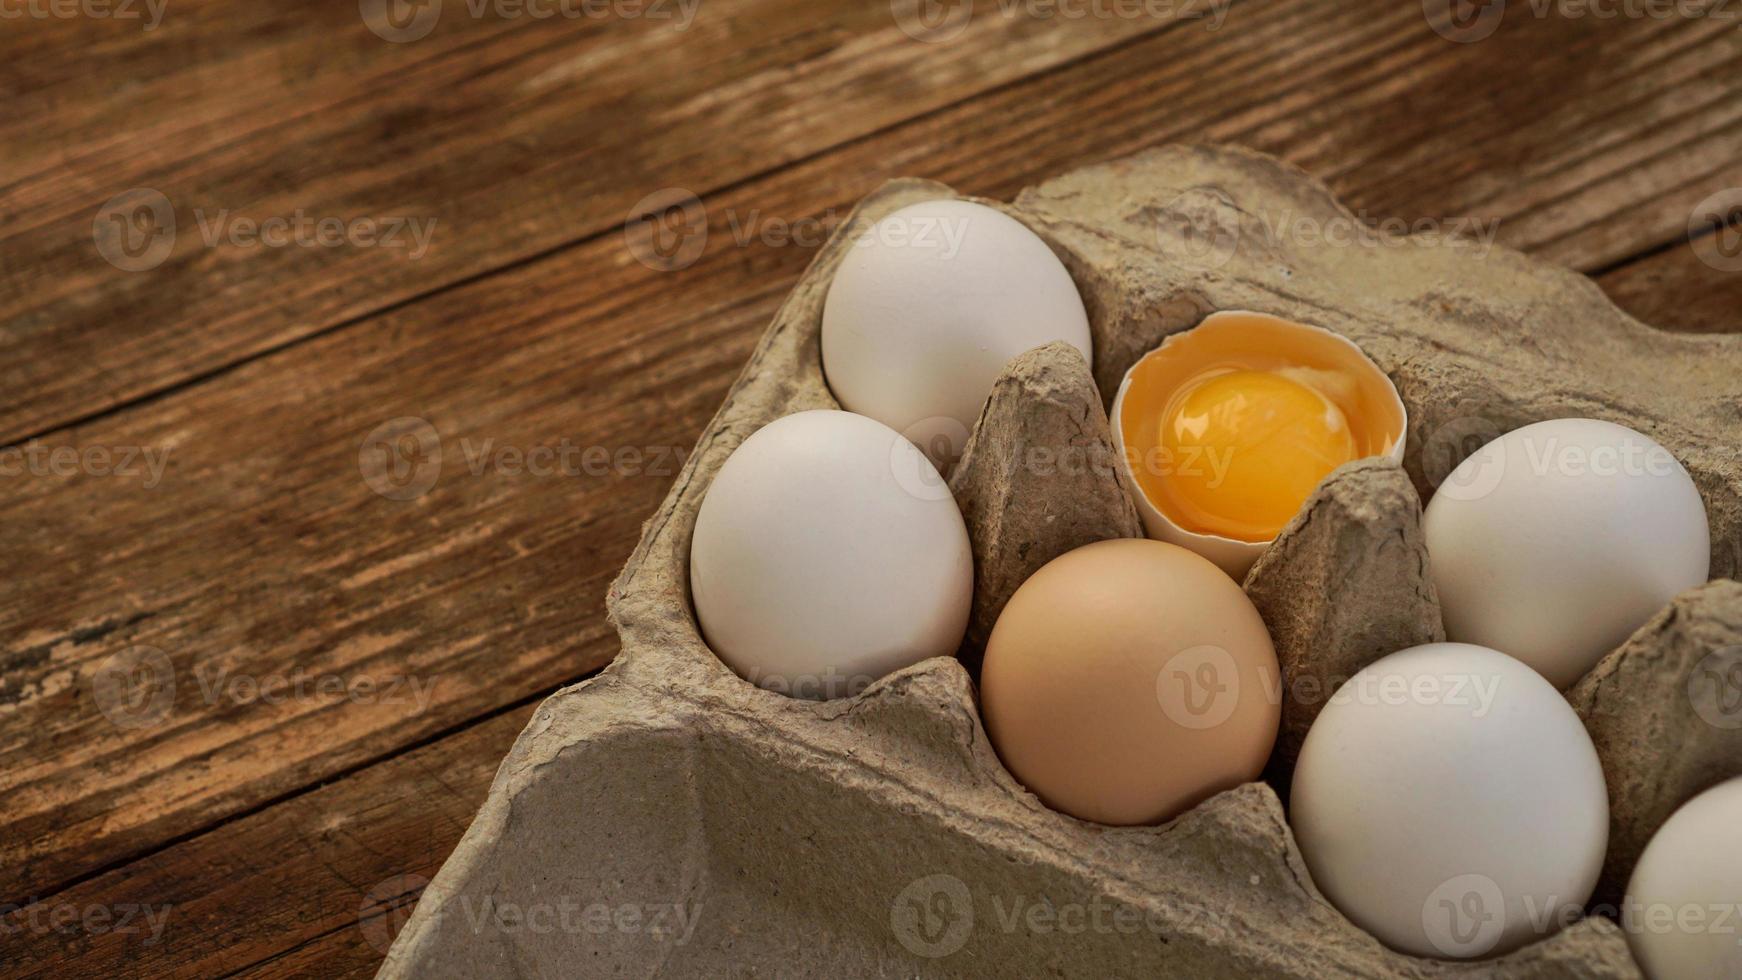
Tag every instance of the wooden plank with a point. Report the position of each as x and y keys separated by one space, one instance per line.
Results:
x=1591 y=141
x=1682 y=288
x=475 y=583
x=346 y=861
x=275 y=565
x=342 y=955
x=492 y=139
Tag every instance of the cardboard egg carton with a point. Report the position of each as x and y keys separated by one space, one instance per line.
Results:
x=666 y=818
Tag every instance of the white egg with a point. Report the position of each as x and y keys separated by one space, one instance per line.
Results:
x=1558 y=540
x=1450 y=802
x=827 y=553
x=1683 y=913
x=929 y=305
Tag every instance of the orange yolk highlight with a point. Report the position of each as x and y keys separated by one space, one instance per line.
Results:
x=1247 y=448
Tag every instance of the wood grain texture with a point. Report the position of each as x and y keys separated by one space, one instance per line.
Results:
x=500 y=137
x=263 y=551
x=1678 y=288
x=269 y=558
x=353 y=856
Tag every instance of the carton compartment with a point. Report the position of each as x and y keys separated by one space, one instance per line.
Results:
x=879 y=836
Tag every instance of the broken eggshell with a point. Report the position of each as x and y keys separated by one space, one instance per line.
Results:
x=1237 y=339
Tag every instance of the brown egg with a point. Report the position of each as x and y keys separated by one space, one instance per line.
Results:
x=1127 y=681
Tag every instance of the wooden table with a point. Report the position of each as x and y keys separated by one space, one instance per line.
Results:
x=303 y=517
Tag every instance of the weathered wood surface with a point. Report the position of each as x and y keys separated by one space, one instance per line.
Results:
x=262 y=552
x=502 y=136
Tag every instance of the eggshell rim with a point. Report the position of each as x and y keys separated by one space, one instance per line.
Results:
x=1235 y=557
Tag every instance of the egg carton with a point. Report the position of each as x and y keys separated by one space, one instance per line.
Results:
x=666 y=818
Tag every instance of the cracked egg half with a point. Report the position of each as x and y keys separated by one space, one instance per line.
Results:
x=1227 y=428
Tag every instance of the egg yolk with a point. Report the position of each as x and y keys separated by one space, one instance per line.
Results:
x=1246 y=450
